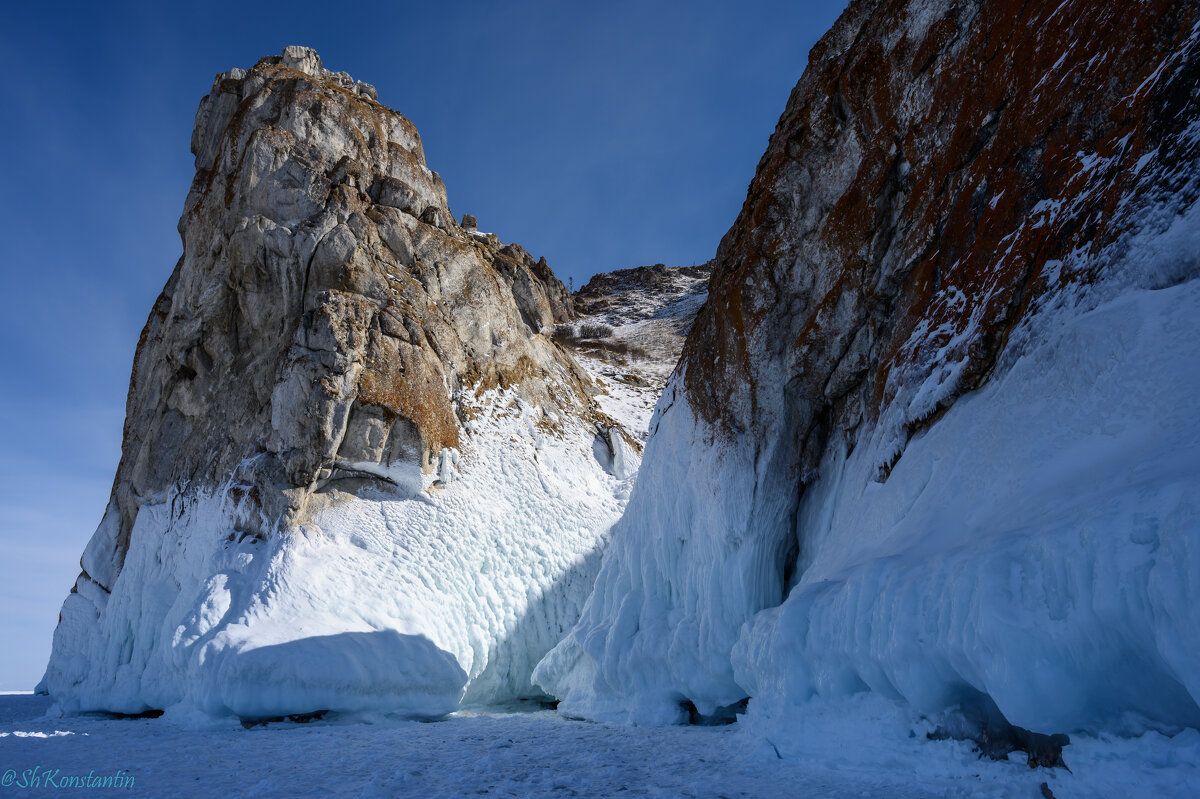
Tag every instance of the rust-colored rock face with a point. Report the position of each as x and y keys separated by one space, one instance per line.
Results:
x=935 y=168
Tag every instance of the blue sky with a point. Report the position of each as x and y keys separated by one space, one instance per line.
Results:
x=600 y=136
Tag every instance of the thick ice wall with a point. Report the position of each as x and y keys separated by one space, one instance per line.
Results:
x=1040 y=545
x=675 y=585
x=382 y=601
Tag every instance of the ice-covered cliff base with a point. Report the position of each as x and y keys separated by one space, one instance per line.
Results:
x=1040 y=544
x=382 y=601
x=1037 y=546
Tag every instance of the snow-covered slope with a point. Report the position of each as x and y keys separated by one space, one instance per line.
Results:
x=942 y=397
x=357 y=471
x=644 y=314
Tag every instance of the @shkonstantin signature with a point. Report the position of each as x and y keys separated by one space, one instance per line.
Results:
x=39 y=777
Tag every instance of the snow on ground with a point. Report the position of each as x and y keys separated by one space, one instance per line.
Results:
x=864 y=748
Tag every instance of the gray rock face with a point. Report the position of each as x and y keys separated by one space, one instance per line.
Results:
x=327 y=314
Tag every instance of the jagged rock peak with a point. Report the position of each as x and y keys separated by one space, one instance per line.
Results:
x=327 y=314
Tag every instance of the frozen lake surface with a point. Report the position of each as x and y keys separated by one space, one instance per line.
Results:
x=535 y=752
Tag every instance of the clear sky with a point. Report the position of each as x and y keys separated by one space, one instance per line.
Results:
x=600 y=135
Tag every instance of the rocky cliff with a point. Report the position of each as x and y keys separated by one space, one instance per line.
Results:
x=945 y=345
x=333 y=343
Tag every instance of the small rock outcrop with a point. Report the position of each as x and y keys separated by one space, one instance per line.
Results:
x=627 y=332
x=634 y=292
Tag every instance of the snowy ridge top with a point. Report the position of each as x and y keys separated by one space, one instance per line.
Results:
x=632 y=323
x=630 y=295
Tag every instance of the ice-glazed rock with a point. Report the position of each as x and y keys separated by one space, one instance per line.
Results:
x=327 y=337
x=899 y=408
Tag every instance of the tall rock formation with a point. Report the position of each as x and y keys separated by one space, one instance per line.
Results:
x=286 y=533
x=942 y=395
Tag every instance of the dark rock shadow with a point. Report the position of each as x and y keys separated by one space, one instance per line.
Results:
x=980 y=721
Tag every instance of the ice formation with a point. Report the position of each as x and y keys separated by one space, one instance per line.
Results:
x=1039 y=546
x=378 y=602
